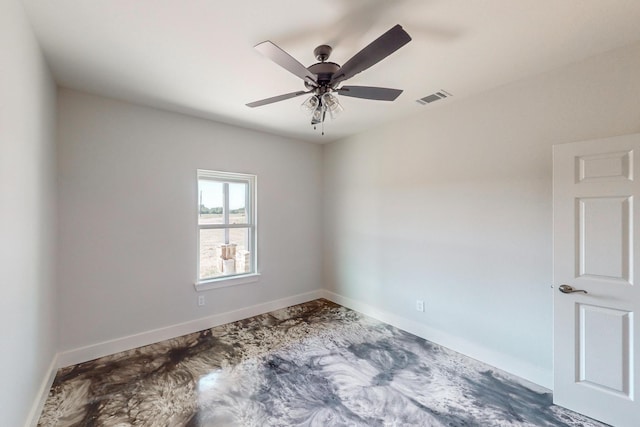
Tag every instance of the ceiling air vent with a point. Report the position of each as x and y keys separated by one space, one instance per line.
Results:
x=441 y=94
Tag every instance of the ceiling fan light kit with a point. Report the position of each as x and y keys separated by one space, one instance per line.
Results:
x=323 y=79
x=310 y=105
x=317 y=106
x=331 y=104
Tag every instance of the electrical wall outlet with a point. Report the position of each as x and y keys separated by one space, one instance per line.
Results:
x=201 y=300
x=419 y=305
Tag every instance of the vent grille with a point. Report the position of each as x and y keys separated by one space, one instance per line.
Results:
x=441 y=94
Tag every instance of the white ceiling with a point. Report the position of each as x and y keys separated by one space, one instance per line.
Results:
x=197 y=56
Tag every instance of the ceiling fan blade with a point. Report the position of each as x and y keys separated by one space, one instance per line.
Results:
x=369 y=92
x=375 y=52
x=276 y=98
x=286 y=61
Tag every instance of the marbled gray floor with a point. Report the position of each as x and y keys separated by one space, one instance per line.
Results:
x=315 y=364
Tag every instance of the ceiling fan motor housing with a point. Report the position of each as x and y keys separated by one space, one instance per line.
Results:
x=324 y=71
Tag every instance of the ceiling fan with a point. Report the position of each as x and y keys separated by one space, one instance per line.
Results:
x=323 y=78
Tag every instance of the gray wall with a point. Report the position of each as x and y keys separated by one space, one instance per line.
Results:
x=27 y=217
x=128 y=200
x=453 y=206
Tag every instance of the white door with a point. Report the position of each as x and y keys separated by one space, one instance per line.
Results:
x=596 y=226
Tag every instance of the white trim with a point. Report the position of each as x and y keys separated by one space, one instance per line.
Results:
x=510 y=364
x=226 y=281
x=43 y=393
x=251 y=209
x=223 y=226
x=534 y=374
x=90 y=352
x=217 y=175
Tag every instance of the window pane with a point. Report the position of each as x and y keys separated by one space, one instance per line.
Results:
x=210 y=240
x=238 y=203
x=211 y=194
x=219 y=258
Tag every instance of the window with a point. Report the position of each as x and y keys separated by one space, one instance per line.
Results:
x=226 y=227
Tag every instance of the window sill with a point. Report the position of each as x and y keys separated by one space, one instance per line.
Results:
x=223 y=282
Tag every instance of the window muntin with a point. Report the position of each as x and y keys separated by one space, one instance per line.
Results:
x=226 y=225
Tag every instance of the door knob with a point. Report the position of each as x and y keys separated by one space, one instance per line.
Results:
x=566 y=289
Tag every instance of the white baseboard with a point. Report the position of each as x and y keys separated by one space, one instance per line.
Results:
x=43 y=392
x=84 y=354
x=534 y=374
x=512 y=365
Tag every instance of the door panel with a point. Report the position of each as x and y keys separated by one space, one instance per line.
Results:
x=596 y=247
x=604 y=352
x=607 y=166
x=604 y=234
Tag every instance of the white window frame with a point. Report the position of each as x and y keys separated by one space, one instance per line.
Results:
x=251 y=226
